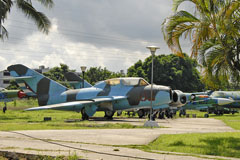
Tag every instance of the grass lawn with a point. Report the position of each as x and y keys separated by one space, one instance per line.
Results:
x=230 y=120
x=218 y=144
x=16 y=118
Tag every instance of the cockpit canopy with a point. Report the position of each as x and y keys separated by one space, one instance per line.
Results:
x=129 y=81
x=218 y=94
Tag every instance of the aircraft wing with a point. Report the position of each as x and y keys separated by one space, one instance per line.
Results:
x=77 y=105
x=107 y=99
x=61 y=106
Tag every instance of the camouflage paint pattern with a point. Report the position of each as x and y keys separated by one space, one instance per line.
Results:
x=131 y=95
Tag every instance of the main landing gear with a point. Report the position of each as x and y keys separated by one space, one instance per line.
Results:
x=182 y=113
x=84 y=114
x=141 y=113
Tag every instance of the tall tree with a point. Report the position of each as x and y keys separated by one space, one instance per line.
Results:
x=170 y=70
x=42 y=22
x=57 y=74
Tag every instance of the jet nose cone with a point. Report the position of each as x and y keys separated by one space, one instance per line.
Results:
x=224 y=101
x=161 y=88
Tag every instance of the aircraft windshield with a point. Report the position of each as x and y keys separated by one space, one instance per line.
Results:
x=113 y=82
x=127 y=82
x=134 y=82
x=143 y=82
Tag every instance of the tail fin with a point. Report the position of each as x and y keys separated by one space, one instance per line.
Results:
x=76 y=81
x=46 y=89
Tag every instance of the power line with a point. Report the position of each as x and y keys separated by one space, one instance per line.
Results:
x=99 y=36
x=79 y=49
x=95 y=36
x=77 y=148
x=67 y=56
x=88 y=36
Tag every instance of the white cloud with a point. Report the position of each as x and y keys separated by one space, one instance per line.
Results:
x=53 y=49
x=106 y=33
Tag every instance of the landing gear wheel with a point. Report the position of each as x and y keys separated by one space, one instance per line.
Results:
x=84 y=115
x=161 y=115
x=109 y=114
x=5 y=107
x=167 y=113
x=181 y=113
x=206 y=115
x=119 y=113
x=153 y=117
x=140 y=113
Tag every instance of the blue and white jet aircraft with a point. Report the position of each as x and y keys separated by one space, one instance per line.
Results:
x=109 y=95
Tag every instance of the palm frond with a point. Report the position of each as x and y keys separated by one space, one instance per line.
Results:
x=176 y=4
x=232 y=7
x=5 y=6
x=46 y=3
x=39 y=18
x=174 y=27
x=4 y=33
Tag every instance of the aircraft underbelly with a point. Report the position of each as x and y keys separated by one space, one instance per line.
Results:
x=105 y=106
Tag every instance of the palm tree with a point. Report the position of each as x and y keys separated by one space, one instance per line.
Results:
x=42 y=22
x=220 y=55
x=199 y=27
x=213 y=30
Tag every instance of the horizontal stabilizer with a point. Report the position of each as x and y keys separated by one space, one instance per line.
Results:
x=17 y=78
x=75 y=81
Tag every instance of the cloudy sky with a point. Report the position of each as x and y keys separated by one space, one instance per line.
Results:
x=107 y=33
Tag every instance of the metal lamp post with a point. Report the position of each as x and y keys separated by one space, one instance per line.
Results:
x=151 y=123
x=83 y=68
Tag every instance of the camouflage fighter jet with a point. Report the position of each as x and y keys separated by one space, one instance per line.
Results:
x=233 y=95
x=179 y=98
x=109 y=95
x=10 y=95
x=204 y=102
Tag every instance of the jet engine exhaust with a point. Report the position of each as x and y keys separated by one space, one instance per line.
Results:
x=178 y=98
